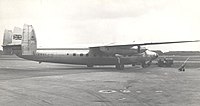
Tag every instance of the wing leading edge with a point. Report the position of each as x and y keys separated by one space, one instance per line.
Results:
x=142 y=44
x=127 y=48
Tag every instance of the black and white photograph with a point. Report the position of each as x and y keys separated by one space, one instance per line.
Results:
x=99 y=53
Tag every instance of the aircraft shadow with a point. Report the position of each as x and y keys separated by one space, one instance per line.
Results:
x=100 y=69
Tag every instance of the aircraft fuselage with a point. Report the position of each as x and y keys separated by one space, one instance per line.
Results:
x=84 y=59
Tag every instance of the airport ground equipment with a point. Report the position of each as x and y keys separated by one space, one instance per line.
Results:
x=165 y=62
x=182 y=67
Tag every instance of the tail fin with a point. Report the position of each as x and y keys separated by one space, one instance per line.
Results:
x=20 y=41
x=29 y=42
x=7 y=38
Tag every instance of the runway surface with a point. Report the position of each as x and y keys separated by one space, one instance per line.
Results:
x=27 y=83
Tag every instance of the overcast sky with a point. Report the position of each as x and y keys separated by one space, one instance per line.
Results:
x=68 y=23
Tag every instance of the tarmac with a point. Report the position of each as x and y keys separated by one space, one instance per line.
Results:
x=27 y=83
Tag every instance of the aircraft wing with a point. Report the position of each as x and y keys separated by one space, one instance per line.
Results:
x=142 y=44
x=127 y=48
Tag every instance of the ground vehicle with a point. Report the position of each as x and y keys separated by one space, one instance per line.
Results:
x=165 y=62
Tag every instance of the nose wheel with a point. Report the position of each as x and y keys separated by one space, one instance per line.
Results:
x=146 y=64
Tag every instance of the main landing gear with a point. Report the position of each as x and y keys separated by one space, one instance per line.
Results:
x=90 y=66
x=119 y=66
x=146 y=64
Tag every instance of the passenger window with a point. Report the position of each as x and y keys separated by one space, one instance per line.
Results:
x=67 y=53
x=74 y=54
x=81 y=54
x=87 y=55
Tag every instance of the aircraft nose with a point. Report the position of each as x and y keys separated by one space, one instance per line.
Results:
x=152 y=54
x=155 y=56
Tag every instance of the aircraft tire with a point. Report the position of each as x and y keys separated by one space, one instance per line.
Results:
x=144 y=65
x=133 y=64
x=119 y=67
x=90 y=66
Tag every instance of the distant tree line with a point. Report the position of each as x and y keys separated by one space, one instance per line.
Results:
x=182 y=53
x=177 y=52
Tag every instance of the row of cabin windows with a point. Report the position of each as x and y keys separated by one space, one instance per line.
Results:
x=74 y=54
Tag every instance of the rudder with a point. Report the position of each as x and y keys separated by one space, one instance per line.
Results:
x=7 y=38
x=29 y=42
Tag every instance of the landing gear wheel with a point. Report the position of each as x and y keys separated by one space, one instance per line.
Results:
x=90 y=66
x=120 y=66
x=144 y=65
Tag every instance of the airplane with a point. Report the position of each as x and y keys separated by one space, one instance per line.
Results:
x=23 y=43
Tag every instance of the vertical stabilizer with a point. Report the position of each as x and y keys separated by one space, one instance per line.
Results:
x=29 y=43
x=7 y=39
